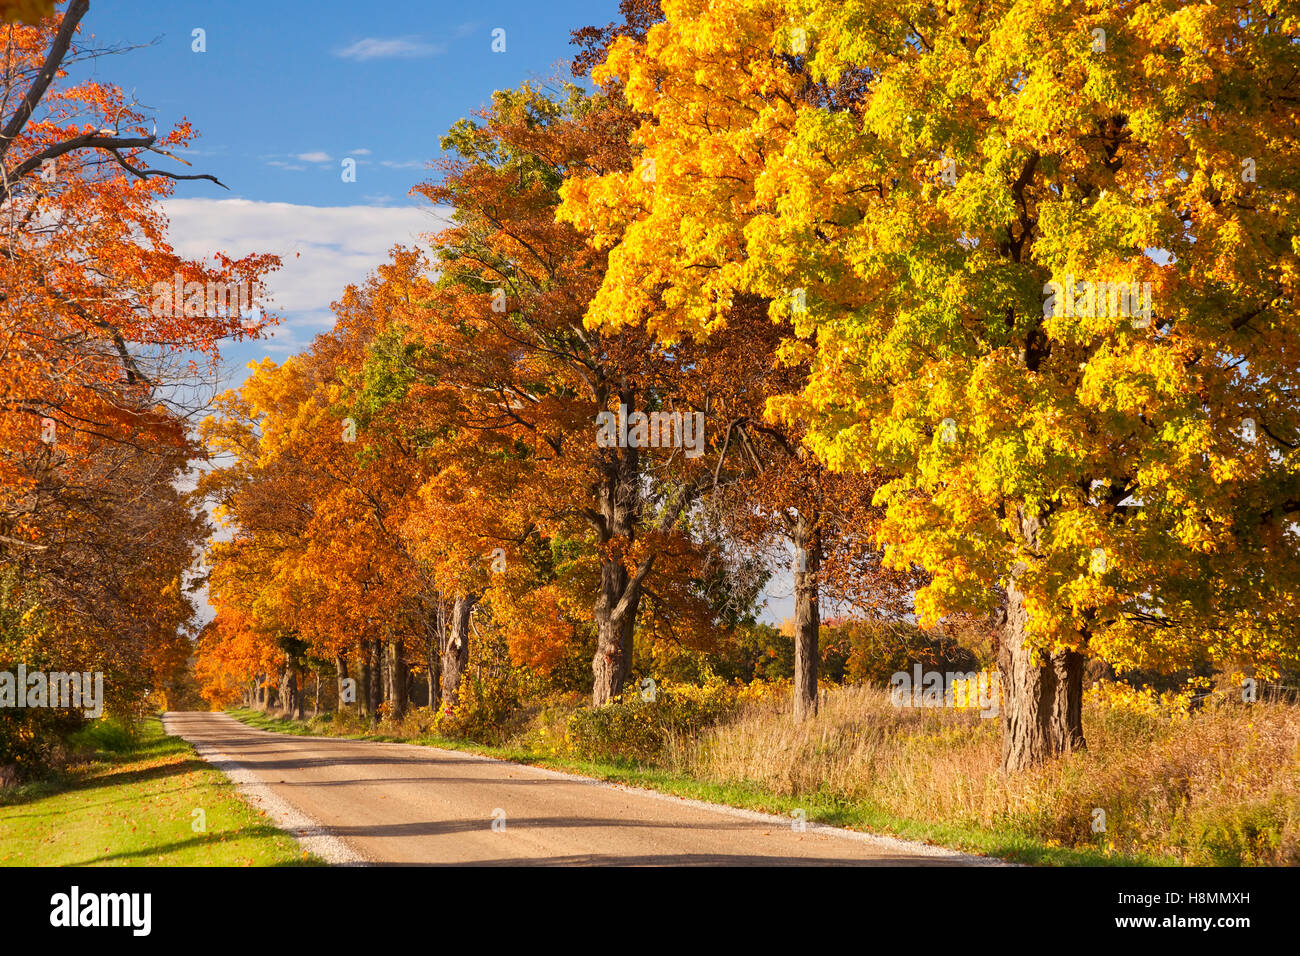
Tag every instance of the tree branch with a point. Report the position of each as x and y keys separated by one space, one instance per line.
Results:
x=62 y=40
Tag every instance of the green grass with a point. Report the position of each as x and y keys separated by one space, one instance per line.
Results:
x=133 y=805
x=1007 y=844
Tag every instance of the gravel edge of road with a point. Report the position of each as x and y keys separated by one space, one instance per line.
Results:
x=311 y=836
x=334 y=850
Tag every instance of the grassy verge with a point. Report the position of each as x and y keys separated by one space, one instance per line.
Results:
x=1007 y=843
x=133 y=805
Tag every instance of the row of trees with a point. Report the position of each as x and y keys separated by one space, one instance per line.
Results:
x=437 y=452
x=96 y=387
x=829 y=228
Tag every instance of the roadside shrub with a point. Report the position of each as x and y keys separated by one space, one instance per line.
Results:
x=489 y=706
x=483 y=713
x=32 y=741
x=344 y=721
x=631 y=728
x=1254 y=834
x=418 y=722
x=546 y=722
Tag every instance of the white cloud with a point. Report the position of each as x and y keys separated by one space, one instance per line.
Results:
x=315 y=157
x=281 y=164
x=405 y=164
x=375 y=48
x=323 y=249
x=359 y=152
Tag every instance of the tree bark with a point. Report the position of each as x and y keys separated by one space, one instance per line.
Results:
x=1042 y=694
x=455 y=653
x=614 y=633
x=434 y=647
x=386 y=674
x=431 y=679
x=434 y=629
x=376 y=671
x=807 y=619
x=291 y=694
x=363 y=685
x=397 y=679
x=341 y=670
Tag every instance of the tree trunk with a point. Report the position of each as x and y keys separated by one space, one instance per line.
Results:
x=614 y=633
x=431 y=679
x=1042 y=694
x=455 y=654
x=807 y=619
x=433 y=646
x=386 y=674
x=618 y=496
x=376 y=671
x=619 y=499
x=363 y=685
x=397 y=678
x=341 y=670
x=290 y=694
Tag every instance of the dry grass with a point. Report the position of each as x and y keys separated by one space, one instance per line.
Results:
x=1221 y=786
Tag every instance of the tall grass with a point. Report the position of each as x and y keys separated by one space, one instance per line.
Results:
x=1220 y=785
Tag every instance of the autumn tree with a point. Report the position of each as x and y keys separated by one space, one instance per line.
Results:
x=504 y=363
x=1048 y=286
x=94 y=433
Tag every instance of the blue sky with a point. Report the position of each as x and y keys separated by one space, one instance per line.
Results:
x=285 y=91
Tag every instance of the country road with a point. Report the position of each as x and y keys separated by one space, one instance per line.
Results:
x=360 y=802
